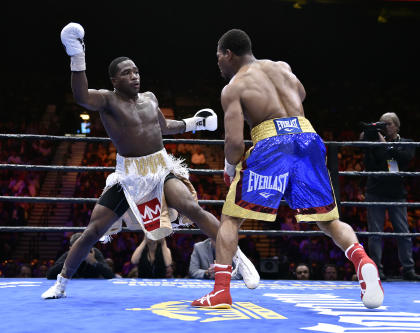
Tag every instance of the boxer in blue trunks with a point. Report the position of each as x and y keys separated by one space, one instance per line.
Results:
x=274 y=168
x=287 y=160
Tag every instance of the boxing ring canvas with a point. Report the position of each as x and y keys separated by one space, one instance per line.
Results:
x=162 y=305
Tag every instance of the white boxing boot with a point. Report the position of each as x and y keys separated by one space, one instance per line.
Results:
x=247 y=269
x=58 y=290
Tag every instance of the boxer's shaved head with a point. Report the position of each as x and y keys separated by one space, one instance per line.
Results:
x=113 y=66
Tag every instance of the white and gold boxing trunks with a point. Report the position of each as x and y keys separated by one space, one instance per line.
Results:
x=142 y=179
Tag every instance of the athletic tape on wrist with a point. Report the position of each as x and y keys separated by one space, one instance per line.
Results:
x=78 y=63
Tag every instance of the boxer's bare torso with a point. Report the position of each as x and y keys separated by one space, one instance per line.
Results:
x=132 y=120
x=133 y=125
x=266 y=90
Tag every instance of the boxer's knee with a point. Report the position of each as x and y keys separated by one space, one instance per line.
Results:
x=95 y=230
x=91 y=236
x=101 y=220
x=329 y=225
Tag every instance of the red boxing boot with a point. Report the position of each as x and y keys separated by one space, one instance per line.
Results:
x=220 y=297
x=372 y=292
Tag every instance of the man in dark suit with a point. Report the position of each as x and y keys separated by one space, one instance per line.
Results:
x=93 y=267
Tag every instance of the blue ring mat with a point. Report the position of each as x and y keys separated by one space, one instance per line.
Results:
x=163 y=305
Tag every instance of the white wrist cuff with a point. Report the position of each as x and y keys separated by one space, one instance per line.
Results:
x=190 y=124
x=77 y=62
x=230 y=168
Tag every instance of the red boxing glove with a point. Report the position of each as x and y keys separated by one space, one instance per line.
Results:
x=229 y=173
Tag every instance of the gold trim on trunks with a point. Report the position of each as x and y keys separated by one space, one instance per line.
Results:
x=268 y=129
x=145 y=165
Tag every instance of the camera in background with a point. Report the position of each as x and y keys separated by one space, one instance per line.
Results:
x=371 y=130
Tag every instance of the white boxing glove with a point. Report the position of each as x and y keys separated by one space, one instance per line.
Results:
x=72 y=39
x=205 y=119
x=228 y=173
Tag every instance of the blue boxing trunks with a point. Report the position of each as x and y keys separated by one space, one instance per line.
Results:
x=287 y=159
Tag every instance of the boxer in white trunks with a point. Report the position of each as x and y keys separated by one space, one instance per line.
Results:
x=148 y=185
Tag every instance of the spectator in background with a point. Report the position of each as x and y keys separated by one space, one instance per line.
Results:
x=110 y=263
x=198 y=158
x=184 y=151
x=17 y=186
x=42 y=270
x=18 y=216
x=153 y=260
x=94 y=266
x=14 y=158
x=302 y=272
x=33 y=184
x=329 y=272
x=25 y=271
x=202 y=261
x=388 y=188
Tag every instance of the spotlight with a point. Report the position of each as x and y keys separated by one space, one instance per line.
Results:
x=383 y=16
x=84 y=116
x=299 y=4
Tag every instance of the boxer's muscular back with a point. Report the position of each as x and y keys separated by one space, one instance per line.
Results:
x=269 y=90
x=133 y=127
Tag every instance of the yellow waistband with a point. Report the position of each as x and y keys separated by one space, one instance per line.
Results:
x=281 y=126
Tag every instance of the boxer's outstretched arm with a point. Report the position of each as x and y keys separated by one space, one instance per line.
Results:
x=72 y=38
x=205 y=119
x=169 y=126
x=91 y=99
x=234 y=124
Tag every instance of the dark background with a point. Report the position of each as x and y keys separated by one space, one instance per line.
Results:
x=334 y=47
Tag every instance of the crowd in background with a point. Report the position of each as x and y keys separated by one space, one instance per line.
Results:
x=343 y=116
x=20 y=182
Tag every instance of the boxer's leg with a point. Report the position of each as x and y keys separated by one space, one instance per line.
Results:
x=343 y=236
x=110 y=207
x=341 y=233
x=101 y=220
x=179 y=197
x=226 y=245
